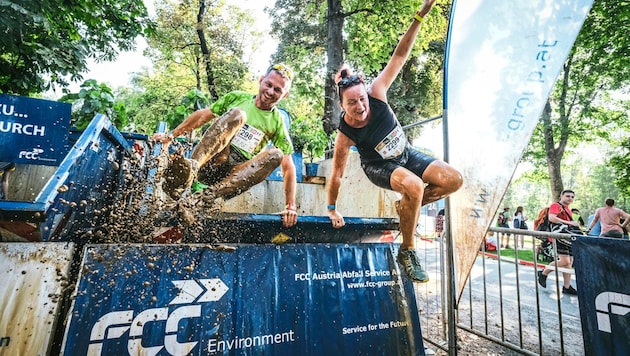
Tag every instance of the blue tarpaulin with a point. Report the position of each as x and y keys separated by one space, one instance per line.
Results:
x=292 y=299
x=602 y=270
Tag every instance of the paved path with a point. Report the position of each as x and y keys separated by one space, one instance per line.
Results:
x=495 y=291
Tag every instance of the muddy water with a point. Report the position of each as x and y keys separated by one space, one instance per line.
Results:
x=138 y=216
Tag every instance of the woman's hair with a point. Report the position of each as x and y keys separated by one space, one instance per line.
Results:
x=344 y=79
x=518 y=210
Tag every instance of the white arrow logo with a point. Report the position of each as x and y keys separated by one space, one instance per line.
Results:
x=202 y=290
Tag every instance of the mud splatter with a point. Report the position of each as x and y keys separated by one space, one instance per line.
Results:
x=141 y=209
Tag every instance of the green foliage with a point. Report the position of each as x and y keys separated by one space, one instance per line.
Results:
x=308 y=136
x=193 y=101
x=523 y=255
x=620 y=164
x=585 y=170
x=519 y=193
x=42 y=42
x=596 y=187
x=374 y=32
x=177 y=45
x=92 y=99
x=180 y=68
x=155 y=95
x=307 y=132
x=580 y=107
x=370 y=30
x=416 y=93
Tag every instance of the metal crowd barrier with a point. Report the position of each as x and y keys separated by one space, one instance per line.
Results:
x=502 y=302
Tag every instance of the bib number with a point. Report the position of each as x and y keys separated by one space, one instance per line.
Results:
x=248 y=138
x=393 y=144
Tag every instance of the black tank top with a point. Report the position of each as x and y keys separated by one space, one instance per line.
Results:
x=382 y=138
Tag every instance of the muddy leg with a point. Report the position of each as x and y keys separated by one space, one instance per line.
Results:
x=247 y=174
x=442 y=180
x=219 y=135
x=178 y=176
x=181 y=173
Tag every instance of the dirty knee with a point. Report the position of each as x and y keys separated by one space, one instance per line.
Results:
x=275 y=155
x=235 y=116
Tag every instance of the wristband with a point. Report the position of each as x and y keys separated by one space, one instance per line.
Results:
x=332 y=207
x=290 y=207
x=417 y=17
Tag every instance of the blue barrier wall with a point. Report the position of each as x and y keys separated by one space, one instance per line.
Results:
x=297 y=161
x=602 y=269
x=88 y=179
x=257 y=300
x=262 y=228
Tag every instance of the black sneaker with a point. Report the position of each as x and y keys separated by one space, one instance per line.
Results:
x=410 y=261
x=570 y=290
x=542 y=279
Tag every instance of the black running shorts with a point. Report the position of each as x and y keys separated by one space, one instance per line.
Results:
x=380 y=172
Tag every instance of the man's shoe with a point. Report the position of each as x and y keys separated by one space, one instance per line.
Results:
x=542 y=279
x=570 y=290
x=179 y=176
x=410 y=261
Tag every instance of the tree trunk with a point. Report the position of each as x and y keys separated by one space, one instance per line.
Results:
x=205 y=51
x=554 y=155
x=334 y=52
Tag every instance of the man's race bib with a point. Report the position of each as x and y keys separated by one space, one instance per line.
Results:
x=248 y=138
x=393 y=144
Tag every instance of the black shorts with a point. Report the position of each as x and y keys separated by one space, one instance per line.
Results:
x=210 y=174
x=380 y=172
x=565 y=246
x=506 y=226
x=613 y=233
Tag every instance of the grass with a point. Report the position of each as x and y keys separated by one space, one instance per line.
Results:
x=523 y=255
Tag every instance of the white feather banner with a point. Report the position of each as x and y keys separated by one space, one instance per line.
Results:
x=502 y=61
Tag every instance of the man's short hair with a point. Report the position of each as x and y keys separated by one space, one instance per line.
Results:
x=567 y=191
x=610 y=202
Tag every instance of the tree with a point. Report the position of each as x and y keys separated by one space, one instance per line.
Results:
x=597 y=187
x=184 y=68
x=317 y=37
x=621 y=167
x=580 y=108
x=43 y=42
x=92 y=99
x=207 y=42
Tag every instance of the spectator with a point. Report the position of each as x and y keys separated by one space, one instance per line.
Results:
x=597 y=227
x=561 y=220
x=611 y=220
x=439 y=224
x=503 y=220
x=520 y=222
x=577 y=217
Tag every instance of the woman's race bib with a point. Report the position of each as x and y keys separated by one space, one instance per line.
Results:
x=393 y=145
